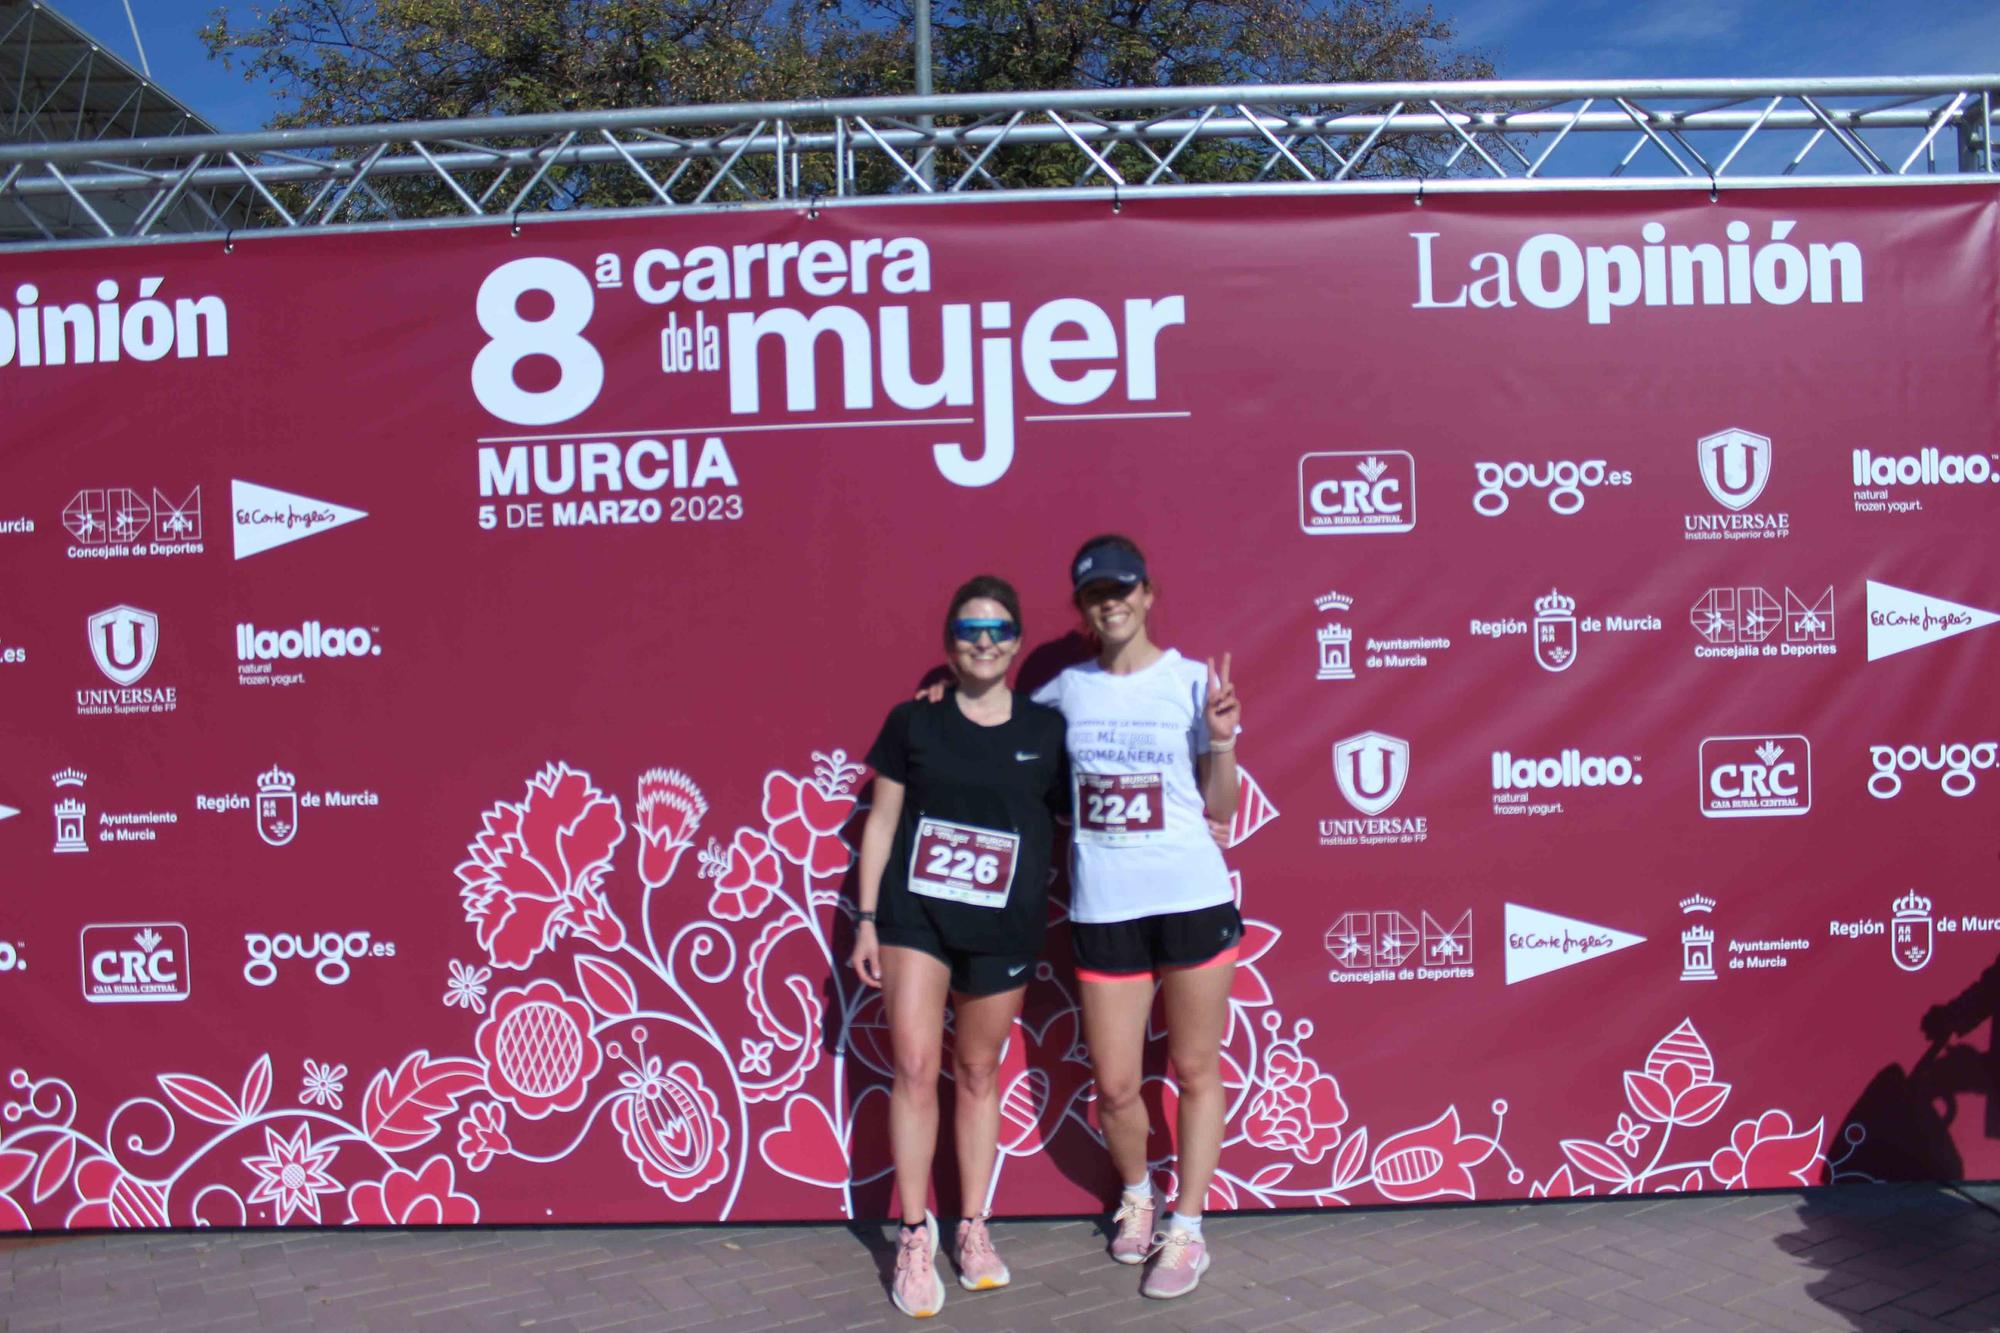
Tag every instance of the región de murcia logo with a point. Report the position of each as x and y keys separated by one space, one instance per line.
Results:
x=1555 y=634
x=1915 y=929
x=279 y=804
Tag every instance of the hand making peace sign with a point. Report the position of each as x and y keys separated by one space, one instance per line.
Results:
x=1224 y=712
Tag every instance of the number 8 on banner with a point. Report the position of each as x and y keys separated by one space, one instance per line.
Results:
x=557 y=336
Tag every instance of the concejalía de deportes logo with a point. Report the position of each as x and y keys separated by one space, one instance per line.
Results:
x=1070 y=352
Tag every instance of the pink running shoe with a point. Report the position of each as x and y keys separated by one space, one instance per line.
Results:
x=1179 y=1260
x=917 y=1291
x=1134 y=1220
x=980 y=1267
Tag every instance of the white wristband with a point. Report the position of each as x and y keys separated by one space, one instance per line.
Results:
x=1222 y=747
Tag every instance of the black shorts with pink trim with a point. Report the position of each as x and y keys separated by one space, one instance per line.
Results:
x=1149 y=945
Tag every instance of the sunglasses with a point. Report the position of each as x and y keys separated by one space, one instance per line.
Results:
x=999 y=631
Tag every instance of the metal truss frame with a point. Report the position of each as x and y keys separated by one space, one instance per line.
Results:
x=58 y=84
x=1124 y=144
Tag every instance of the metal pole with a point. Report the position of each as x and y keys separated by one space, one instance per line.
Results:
x=1975 y=133
x=144 y=68
x=923 y=69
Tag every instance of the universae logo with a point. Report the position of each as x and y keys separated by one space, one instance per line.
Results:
x=123 y=641
x=1370 y=770
x=1735 y=465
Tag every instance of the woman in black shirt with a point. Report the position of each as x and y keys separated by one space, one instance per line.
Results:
x=954 y=894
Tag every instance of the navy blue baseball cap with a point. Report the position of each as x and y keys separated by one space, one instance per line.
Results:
x=1107 y=562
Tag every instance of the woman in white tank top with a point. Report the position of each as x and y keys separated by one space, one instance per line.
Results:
x=1151 y=739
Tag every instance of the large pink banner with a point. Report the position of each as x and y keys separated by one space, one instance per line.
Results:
x=436 y=666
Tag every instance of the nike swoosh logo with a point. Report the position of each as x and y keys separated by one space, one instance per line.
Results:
x=1017 y=969
x=1021 y=756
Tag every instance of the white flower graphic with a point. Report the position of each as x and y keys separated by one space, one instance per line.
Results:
x=322 y=1085
x=467 y=988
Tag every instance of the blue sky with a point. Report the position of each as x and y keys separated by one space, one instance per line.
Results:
x=1527 y=39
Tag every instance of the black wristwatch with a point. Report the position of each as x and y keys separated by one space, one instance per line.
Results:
x=868 y=917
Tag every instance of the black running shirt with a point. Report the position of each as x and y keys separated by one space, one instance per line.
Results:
x=971 y=860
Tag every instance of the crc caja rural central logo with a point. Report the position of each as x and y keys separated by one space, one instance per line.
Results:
x=1753 y=777
x=140 y=962
x=1352 y=494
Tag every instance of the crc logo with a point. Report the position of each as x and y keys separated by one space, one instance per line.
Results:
x=1348 y=494
x=1954 y=764
x=1752 y=777
x=1370 y=770
x=1735 y=464
x=1563 y=480
x=123 y=641
x=332 y=950
x=135 y=963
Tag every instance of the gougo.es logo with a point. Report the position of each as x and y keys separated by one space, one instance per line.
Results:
x=1956 y=765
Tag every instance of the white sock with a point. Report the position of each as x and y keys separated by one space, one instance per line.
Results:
x=1142 y=1190
x=1191 y=1225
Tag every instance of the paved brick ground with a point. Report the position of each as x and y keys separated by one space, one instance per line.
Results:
x=1878 y=1257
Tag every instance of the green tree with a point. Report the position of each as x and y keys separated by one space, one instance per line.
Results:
x=344 y=62
x=996 y=45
